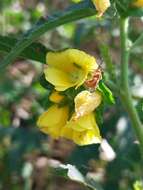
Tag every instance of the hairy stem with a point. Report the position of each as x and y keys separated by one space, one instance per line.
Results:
x=125 y=92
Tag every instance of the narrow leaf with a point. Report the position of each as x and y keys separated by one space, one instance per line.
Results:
x=36 y=51
x=107 y=94
x=75 y=12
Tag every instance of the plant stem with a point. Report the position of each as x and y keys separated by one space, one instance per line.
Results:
x=125 y=92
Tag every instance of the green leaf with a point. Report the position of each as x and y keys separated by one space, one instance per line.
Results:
x=5 y=117
x=36 y=51
x=71 y=172
x=61 y=172
x=75 y=12
x=107 y=94
x=126 y=9
x=99 y=114
x=135 y=12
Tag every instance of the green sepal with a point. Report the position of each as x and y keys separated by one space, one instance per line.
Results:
x=45 y=84
x=106 y=92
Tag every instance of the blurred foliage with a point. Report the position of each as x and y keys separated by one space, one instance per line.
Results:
x=27 y=157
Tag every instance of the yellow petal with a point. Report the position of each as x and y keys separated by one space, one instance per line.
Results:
x=86 y=102
x=138 y=3
x=56 y=97
x=82 y=59
x=86 y=137
x=68 y=68
x=101 y=6
x=86 y=122
x=82 y=124
x=84 y=131
x=51 y=121
x=58 y=78
x=70 y=59
x=67 y=132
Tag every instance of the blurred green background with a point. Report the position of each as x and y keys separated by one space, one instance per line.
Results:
x=28 y=158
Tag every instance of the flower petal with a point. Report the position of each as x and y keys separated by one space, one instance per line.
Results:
x=58 y=78
x=83 y=123
x=51 y=121
x=56 y=97
x=68 y=68
x=101 y=6
x=86 y=102
x=67 y=132
x=70 y=59
x=86 y=138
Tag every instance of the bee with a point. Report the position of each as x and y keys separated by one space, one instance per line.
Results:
x=95 y=78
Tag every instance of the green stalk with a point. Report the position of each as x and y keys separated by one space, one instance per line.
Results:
x=125 y=92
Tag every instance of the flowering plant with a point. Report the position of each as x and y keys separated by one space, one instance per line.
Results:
x=76 y=70
x=89 y=91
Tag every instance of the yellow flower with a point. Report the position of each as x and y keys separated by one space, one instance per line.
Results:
x=86 y=102
x=83 y=131
x=138 y=3
x=68 y=68
x=56 y=97
x=51 y=121
x=101 y=6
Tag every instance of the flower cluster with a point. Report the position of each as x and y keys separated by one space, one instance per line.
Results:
x=70 y=69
